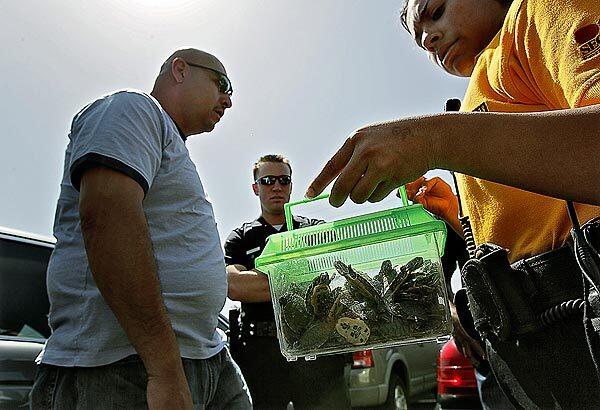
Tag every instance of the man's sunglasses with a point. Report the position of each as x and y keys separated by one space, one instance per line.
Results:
x=270 y=180
x=224 y=81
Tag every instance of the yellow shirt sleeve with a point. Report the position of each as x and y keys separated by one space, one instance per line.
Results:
x=558 y=45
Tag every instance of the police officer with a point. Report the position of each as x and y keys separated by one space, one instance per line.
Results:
x=273 y=382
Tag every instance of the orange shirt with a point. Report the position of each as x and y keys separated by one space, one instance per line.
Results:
x=545 y=57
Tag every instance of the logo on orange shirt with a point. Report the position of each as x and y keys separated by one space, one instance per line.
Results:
x=481 y=108
x=588 y=39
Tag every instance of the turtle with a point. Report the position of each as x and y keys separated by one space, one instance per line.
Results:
x=412 y=295
x=320 y=330
x=360 y=285
x=381 y=280
x=398 y=301
x=355 y=331
x=318 y=298
x=361 y=288
x=294 y=316
x=409 y=310
x=402 y=277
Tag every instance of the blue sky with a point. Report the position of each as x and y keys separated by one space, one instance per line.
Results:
x=305 y=74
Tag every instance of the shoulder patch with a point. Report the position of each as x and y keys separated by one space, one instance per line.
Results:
x=588 y=40
x=248 y=226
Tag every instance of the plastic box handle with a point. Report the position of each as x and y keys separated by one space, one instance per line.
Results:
x=288 y=207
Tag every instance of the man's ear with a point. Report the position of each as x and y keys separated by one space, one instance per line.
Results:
x=255 y=189
x=178 y=69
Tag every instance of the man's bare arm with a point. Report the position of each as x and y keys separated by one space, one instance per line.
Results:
x=247 y=286
x=122 y=262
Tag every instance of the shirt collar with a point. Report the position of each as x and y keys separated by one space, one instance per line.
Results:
x=181 y=134
x=260 y=221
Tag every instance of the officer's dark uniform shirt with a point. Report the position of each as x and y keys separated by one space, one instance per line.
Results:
x=245 y=244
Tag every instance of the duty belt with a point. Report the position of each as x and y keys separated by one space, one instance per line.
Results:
x=507 y=301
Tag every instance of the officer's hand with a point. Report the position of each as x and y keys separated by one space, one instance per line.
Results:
x=469 y=347
x=437 y=197
x=164 y=393
x=375 y=160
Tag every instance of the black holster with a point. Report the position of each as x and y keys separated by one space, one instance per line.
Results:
x=503 y=301
x=498 y=296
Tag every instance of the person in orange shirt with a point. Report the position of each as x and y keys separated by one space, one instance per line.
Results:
x=525 y=141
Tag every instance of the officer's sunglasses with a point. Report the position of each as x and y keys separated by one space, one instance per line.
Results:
x=270 y=180
x=224 y=81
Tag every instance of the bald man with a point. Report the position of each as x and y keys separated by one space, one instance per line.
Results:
x=137 y=278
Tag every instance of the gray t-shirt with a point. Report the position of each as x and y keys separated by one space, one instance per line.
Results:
x=130 y=132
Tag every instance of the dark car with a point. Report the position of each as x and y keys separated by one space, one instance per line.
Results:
x=457 y=385
x=23 y=309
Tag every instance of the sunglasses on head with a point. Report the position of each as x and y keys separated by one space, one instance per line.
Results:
x=270 y=180
x=224 y=81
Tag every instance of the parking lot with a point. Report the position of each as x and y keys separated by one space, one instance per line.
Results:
x=411 y=368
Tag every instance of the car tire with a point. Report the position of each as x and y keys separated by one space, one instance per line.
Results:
x=396 y=398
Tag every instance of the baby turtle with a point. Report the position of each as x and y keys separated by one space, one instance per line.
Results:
x=294 y=317
x=403 y=273
x=361 y=287
x=321 y=329
x=355 y=331
x=318 y=298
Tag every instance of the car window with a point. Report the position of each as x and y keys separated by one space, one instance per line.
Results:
x=30 y=333
x=26 y=332
x=24 y=301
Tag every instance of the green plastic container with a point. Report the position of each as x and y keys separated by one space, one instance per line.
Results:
x=334 y=291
